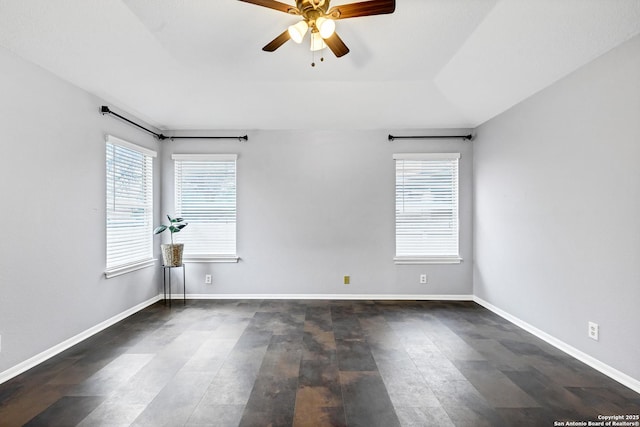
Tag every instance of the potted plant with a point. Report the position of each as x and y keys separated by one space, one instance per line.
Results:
x=172 y=252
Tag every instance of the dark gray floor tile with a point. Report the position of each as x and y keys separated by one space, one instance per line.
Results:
x=68 y=411
x=312 y=363
x=528 y=417
x=494 y=386
x=272 y=402
x=421 y=417
x=355 y=355
x=216 y=416
x=405 y=385
x=465 y=405
x=177 y=400
x=113 y=414
x=366 y=401
x=109 y=378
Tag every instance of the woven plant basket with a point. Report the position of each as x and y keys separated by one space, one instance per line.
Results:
x=172 y=254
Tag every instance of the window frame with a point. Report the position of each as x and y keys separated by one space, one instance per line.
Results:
x=424 y=257
x=180 y=237
x=145 y=231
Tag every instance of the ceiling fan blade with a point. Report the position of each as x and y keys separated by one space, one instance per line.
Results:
x=336 y=45
x=272 y=4
x=277 y=42
x=363 y=8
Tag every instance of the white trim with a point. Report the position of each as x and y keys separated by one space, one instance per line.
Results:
x=427 y=260
x=426 y=156
x=613 y=373
x=210 y=258
x=121 y=142
x=128 y=268
x=59 y=348
x=365 y=297
x=204 y=157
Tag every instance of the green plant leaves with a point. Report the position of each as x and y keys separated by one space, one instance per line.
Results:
x=175 y=225
x=159 y=229
x=176 y=228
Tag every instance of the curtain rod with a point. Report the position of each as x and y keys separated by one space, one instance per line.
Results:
x=465 y=137
x=105 y=110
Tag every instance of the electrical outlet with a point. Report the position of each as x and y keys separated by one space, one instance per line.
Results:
x=594 y=331
x=347 y=280
x=207 y=279
x=423 y=279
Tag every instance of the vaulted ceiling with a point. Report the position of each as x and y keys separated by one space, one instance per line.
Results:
x=198 y=64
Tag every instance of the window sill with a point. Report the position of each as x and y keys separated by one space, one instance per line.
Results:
x=427 y=260
x=211 y=258
x=128 y=268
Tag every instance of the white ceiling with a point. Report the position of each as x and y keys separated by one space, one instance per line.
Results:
x=198 y=64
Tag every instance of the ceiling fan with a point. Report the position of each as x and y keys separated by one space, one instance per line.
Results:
x=319 y=19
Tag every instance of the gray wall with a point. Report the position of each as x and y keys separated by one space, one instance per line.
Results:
x=557 y=209
x=316 y=206
x=52 y=196
x=313 y=206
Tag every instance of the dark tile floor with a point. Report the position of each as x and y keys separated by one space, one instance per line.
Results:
x=312 y=363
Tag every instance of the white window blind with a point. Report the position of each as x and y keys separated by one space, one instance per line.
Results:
x=427 y=208
x=205 y=191
x=129 y=173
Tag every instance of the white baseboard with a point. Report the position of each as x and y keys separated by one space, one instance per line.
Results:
x=613 y=373
x=59 y=348
x=366 y=297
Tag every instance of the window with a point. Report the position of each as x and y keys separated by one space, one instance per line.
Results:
x=205 y=191
x=129 y=207
x=427 y=208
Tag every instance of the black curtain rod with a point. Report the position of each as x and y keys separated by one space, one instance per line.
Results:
x=105 y=110
x=465 y=137
x=245 y=137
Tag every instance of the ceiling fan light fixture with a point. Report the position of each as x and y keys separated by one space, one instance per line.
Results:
x=326 y=27
x=297 y=31
x=317 y=43
x=318 y=18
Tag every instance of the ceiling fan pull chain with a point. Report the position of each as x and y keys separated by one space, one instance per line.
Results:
x=313 y=57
